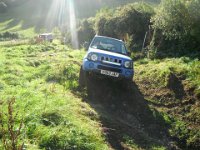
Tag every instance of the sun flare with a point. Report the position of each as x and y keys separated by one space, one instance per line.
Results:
x=62 y=14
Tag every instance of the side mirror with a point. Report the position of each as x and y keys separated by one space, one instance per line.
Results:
x=129 y=53
x=86 y=45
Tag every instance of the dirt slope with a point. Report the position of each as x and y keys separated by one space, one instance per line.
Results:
x=125 y=113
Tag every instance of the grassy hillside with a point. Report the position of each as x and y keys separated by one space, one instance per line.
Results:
x=28 y=17
x=39 y=88
x=52 y=115
x=42 y=105
x=159 y=111
x=172 y=86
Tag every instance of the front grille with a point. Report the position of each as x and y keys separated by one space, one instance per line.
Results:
x=109 y=68
x=109 y=59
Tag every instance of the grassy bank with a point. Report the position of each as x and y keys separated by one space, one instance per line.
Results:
x=39 y=79
x=39 y=83
x=172 y=86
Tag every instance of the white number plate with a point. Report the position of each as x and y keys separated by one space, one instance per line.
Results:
x=110 y=73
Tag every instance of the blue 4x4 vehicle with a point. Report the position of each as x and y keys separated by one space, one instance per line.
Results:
x=106 y=56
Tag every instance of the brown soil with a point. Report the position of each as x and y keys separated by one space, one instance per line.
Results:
x=131 y=109
x=177 y=99
x=124 y=112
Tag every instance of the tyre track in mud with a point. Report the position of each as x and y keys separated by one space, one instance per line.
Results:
x=124 y=112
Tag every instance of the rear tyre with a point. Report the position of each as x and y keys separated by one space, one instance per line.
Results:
x=82 y=78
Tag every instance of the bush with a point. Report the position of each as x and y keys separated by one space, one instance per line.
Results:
x=11 y=128
x=129 y=23
x=9 y=36
x=177 y=23
x=131 y=20
x=86 y=31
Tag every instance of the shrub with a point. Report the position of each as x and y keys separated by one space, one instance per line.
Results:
x=9 y=36
x=11 y=134
x=129 y=22
x=86 y=31
x=176 y=22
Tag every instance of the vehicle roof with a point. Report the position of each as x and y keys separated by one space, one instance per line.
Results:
x=109 y=38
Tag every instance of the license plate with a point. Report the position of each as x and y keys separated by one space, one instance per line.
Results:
x=110 y=73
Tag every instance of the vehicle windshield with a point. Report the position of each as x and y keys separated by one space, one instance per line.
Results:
x=109 y=44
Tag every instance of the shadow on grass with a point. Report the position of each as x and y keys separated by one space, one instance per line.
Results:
x=26 y=15
x=125 y=115
x=25 y=23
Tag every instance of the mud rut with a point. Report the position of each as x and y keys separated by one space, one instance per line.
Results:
x=124 y=112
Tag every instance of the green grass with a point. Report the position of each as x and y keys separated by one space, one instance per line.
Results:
x=158 y=71
x=29 y=17
x=161 y=81
x=24 y=18
x=133 y=146
x=40 y=78
x=17 y=28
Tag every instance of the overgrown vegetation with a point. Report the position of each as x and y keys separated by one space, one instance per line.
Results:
x=40 y=77
x=170 y=29
x=129 y=22
x=173 y=87
x=177 y=27
x=8 y=36
x=11 y=128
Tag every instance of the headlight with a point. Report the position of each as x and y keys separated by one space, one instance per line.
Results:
x=128 y=64
x=93 y=57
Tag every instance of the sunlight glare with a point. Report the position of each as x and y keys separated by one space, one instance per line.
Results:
x=62 y=14
x=73 y=31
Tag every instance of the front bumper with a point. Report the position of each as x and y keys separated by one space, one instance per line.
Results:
x=96 y=67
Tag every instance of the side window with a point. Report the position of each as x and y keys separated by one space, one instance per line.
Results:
x=95 y=43
x=124 y=49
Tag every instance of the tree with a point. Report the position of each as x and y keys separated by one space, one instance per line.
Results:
x=86 y=31
x=172 y=17
x=193 y=9
x=178 y=23
x=129 y=21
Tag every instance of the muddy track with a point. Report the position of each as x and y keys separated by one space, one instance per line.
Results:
x=124 y=112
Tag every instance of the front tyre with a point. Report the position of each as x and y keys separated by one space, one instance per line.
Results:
x=82 y=77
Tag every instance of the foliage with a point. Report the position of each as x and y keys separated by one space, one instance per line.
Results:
x=129 y=23
x=172 y=18
x=180 y=113
x=132 y=144
x=86 y=31
x=172 y=31
x=56 y=32
x=131 y=20
x=12 y=136
x=41 y=78
x=178 y=22
x=8 y=36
